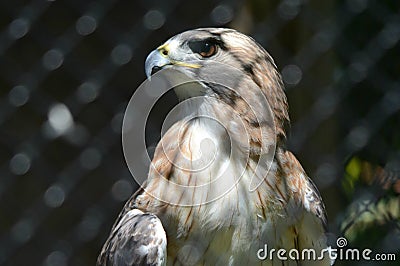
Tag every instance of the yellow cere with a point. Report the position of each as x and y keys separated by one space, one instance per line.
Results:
x=164 y=51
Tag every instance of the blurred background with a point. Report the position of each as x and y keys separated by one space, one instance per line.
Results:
x=69 y=68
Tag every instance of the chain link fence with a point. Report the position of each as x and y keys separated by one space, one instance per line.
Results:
x=69 y=68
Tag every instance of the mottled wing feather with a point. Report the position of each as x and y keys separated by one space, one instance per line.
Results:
x=306 y=191
x=315 y=203
x=138 y=239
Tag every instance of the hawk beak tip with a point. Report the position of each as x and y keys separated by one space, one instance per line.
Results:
x=155 y=62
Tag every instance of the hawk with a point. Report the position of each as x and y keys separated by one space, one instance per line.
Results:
x=232 y=199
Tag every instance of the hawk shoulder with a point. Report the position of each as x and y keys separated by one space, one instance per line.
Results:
x=137 y=239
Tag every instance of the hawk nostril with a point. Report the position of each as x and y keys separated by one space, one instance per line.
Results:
x=164 y=52
x=155 y=69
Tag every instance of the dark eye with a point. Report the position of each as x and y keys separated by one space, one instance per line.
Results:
x=205 y=48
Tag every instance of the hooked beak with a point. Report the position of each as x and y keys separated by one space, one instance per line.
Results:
x=155 y=62
x=159 y=58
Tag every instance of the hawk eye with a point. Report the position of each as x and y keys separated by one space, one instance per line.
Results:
x=205 y=48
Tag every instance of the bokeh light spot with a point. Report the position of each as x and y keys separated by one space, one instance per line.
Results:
x=18 y=28
x=54 y=196
x=20 y=164
x=121 y=190
x=18 y=96
x=86 y=25
x=154 y=19
x=53 y=59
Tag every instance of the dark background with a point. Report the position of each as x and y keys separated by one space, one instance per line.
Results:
x=69 y=68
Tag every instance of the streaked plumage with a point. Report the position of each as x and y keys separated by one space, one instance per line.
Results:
x=217 y=219
x=137 y=239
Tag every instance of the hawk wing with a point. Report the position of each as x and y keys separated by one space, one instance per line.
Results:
x=313 y=202
x=137 y=239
